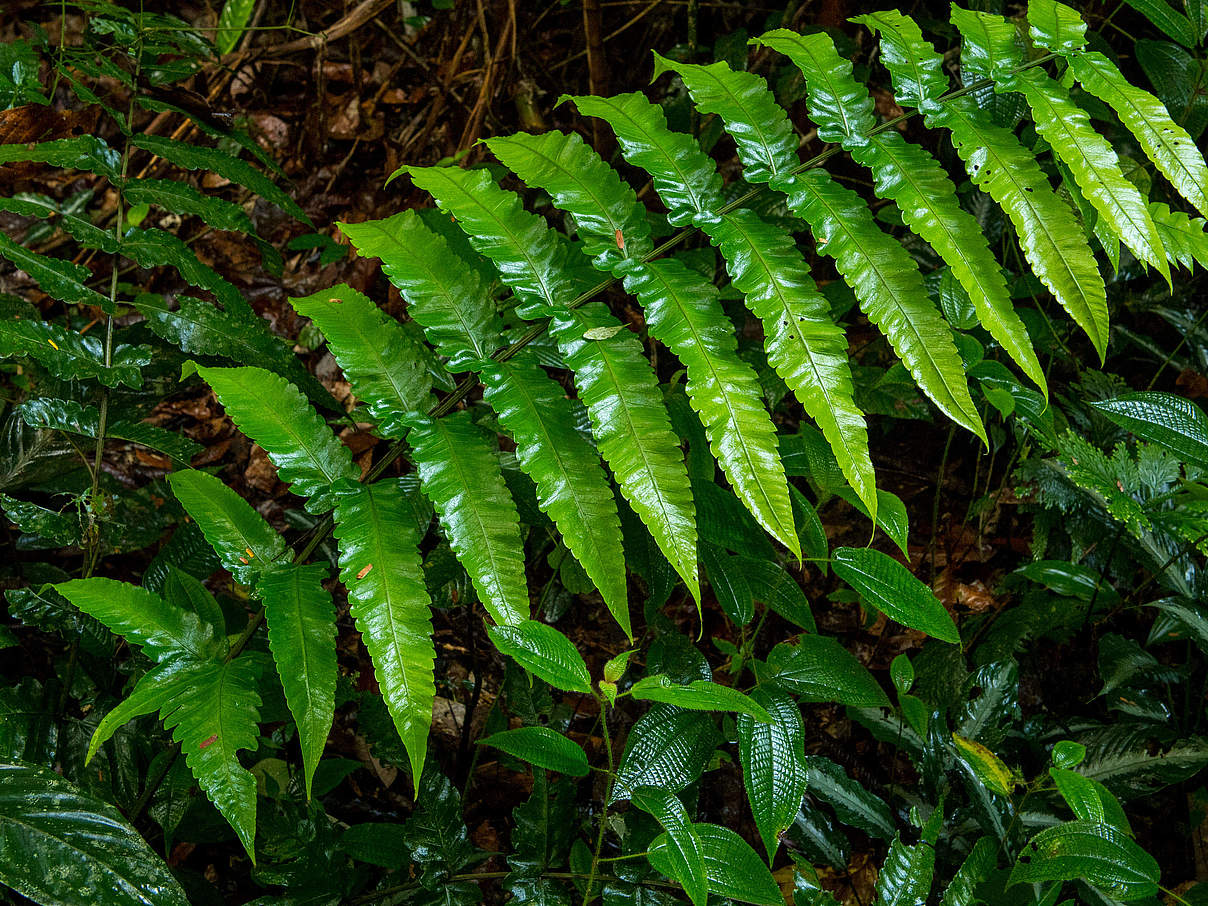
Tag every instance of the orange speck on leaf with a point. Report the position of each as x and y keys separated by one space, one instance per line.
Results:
x=620 y=241
x=52 y=343
x=208 y=742
x=364 y=572
x=249 y=552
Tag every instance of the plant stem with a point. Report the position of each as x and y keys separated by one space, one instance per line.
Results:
x=595 y=858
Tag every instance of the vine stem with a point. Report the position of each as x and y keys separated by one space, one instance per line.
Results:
x=595 y=857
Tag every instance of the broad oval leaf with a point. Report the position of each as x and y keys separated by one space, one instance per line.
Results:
x=1171 y=421
x=773 y=767
x=889 y=587
x=681 y=857
x=1093 y=851
x=668 y=747
x=699 y=695
x=545 y=652
x=542 y=746
x=733 y=868
x=819 y=669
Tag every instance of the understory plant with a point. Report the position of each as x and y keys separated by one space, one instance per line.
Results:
x=528 y=426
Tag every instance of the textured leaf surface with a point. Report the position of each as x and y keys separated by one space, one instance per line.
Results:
x=734 y=869
x=461 y=475
x=1184 y=237
x=699 y=695
x=75 y=418
x=182 y=198
x=384 y=365
x=71 y=356
x=545 y=652
x=451 y=301
x=142 y=617
x=84 y=231
x=773 y=767
x=229 y=523
x=668 y=747
x=890 y=289
x=543 y=747
x=274 y=414
x=905 y=877
x=891 y=588
x=571 y=486
x=83 y=152
x=977 y=865
x=302 y=637
x=63 y=847
x=156 y=248
x=380 y=566
x=1098 y=853
x=1166 y=419
x=681 y=857
x=819 y=669
x=59 y=278
x=853 y=804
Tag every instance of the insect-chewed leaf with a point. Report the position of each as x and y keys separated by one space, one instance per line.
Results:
x=58 y=277
x=449 y=300
x=668 y=747
x=891 y=588
x=1166 y=419
x=804 y=345
x=542 y=746
x=773 y=769
x=890 y=289
x=380 y=566
x=699 y=695
x=302 y=637
x=1098 y=853
x=64 y=846
x=143 y=618
x=274 y=414
x=685 y=178
x=192 y=157
x=571 y=485
x=819 y=669
x=683 y=311
x=70 y=356
x=156 y=248
x=460 y=473
x=182 y=198
x=83 y=152
x=75 y=418
x=545 y=652
x=380 y=360
x=244 y=542
x=681 y=856
x=633 y=431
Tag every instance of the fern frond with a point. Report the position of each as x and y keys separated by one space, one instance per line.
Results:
x=83 y=152
x=461 y=475
x=152 y=692
x=571 y=486
x=450 y=301
x=992 y=48
x=71 y=356
x=383 y=364
x=57 y=277
x=43 y=207
x=804 y=345
x=302 y=637
x=914 y=180
x=273 y=413
x=156 y=248
x=1048 y=231
x=381 y=567
x=143 y=618
x=75 y=418
x=890 y=290
x=1183 y=236
x=632 y=429
x=182 y=198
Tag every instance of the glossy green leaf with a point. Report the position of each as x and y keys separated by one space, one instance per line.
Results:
x=890 y=289
x=976 y=867
x=244 y=542
x=275 y=414
x=888 y=586
x=571 y=486
x=83 y=152
x=302 y=637
x=380 y=565
x=75 y=418
x=181 y=198
x=668 y=748
x=449 y=300
x=908 y=871
x=71 y=356
x=1183 y=236
x=1090 y=800
x=681 y=857
x=65 y=280
x=157 y=248
x=545 y=652
x=153 y=691
x=1165 y=419
x=773 y=767
x=460 y=474
x=231 y=24
x=1097 y=853
x=381 y=361
x=143 y=618
x=772 y=585
x=63 y=847
x=853 y=804
x=819 y=669
x=732 y=867
x=84 y=231
x=700 y=695
x=1056 y=27
x=60 y=529
x=543 y=747
x=1173 y=23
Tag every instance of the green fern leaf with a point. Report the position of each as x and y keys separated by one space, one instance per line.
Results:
x=192 y=157
x=765 y=137
x=633 y=430
x=57 y=277
x=181 y=198
x=74 y=418
x=807 y=349
x=571 y=486
x=153 y=691
x=83 y=231
x=143 y=618
x=380 y=360
x=244 y=542
x=274 y=414
x=684 y=176
x=917 y=70
x=213 y=712
x=381 y=567
x=1183 y=237
x=683 y=311
x=1067 y=128
x=84 y=152
x=156 y=248
x=914 y=180
x=302 y=637
x=1056 y=27
x=449 y=300
x=461 y=475
x=71 y=356
x=890 y=290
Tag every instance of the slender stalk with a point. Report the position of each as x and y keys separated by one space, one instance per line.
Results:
x=595 y=858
